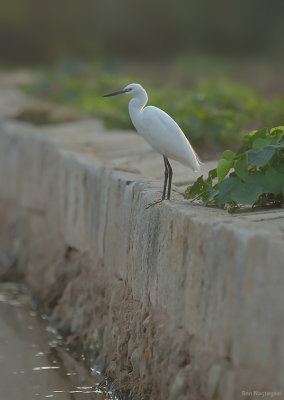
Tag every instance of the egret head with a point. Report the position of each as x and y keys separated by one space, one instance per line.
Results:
x=133 y=89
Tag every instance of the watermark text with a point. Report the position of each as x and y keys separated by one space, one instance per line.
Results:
x=258 y=393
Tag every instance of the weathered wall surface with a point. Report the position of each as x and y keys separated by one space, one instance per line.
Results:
x=183 y=302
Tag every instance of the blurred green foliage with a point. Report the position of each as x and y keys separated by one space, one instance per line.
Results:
x=215 y=112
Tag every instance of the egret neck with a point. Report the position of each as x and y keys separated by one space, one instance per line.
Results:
x=136 y=105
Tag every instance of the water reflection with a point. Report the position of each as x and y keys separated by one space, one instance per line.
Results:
x=33 y=362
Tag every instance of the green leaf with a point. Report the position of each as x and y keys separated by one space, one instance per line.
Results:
x=248 y=184
x=280 y=168
x=277 y=136
x=246 y=193
x=259 y=157
x=198 y=187
x=255 y=178
x=223 y=168
x=228 y=155
x=225 y=190
x=241 y=168
x=260 y=143
x=249 y=139
x=261 y=133
x=212 y=174
x=274 y=181
x=277 y=129
x=210 y=197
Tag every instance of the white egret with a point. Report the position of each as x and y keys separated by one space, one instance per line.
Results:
x=160 y=131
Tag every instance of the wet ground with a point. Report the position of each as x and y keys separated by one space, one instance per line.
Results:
x=34 y=362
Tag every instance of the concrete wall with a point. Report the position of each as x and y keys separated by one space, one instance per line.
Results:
x=181 y=301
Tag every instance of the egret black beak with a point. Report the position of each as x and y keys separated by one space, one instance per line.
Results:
x=115 y=93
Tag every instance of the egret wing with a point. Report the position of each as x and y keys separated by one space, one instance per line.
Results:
x=166 y=137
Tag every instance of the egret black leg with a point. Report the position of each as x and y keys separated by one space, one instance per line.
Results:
x=166 y=177
x=170 y=172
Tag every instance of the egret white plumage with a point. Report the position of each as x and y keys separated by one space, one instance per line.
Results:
x=160 y=131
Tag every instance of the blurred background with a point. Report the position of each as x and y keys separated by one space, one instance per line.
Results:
x=37 y=31
x=217 y=67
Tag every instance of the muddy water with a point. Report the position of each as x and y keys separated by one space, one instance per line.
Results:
x=34 y=363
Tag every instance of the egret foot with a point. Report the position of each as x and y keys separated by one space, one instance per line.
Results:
x=154 y=203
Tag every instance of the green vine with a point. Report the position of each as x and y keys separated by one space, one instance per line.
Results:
x=253 y=176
